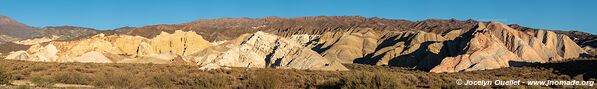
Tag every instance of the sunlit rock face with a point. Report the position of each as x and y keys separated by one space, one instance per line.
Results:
x=264 y=50
x=317 y=43
x=492 y=45
x=117 y=49
x=260 y=50
x=489 y=45
x=180 y=43
x=345 y=46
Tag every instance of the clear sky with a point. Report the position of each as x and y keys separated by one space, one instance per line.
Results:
x=109 y=14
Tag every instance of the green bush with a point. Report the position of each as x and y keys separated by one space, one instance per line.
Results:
x=71 y=78
x=43 y=81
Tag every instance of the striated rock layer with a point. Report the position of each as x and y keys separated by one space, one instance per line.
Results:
x=116 y=49
x=489 y=45
x=259 y=50
x=493 y=45
x=263 y=50
x=318 y=43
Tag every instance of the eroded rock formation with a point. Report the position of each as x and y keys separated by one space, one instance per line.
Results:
x=260 y=50
x=492 y=45
x=489 y=45
x=116 y=49
x=264 y=50
x=318 y=43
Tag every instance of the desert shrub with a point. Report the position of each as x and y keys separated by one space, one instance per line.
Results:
x=215 y=81
x=23 y=87
x=117 y=80
x=163 y=80
x=5 y=77
x=43 y=81
x=139 y=76
x=329 y=85
x=265 y=80
x=71 y=78
x=37 y=68
x=370 y=80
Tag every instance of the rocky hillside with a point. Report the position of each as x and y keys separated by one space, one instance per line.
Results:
x=493 y=45
x=67 y=32
x=315 y=43
x=11 y=30
x=265 y=50
x=258 y=50
x=587 y=41
x=230 y=28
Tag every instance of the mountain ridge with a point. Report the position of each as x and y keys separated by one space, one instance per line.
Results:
x=309 y=43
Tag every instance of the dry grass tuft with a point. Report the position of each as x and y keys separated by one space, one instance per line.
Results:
x=42 y=81
x=135 y=76
x=5 y=77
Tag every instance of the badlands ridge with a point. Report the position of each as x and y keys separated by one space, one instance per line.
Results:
x=456 y=48
x=489 y=45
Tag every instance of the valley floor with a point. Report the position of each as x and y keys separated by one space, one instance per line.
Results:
x=164 y=76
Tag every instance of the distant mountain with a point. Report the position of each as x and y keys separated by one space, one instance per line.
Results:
x=228 y=28
x=11 y=30
x=67 y=32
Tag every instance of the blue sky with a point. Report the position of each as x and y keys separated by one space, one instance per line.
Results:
x=110 y=14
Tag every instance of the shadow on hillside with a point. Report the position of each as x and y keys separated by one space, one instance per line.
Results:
x=585 y=68
x=8 y=47
x=420 y=59
x=423 y=58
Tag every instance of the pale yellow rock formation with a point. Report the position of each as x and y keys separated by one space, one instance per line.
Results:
x=125 y=48
x=409 y=49
x=492 y=45
x=348 y=46
x=92 y=57
x=46 y=54
x=592 y=51
x=18 y=55
x=453 y=34
x=304 y=39
x=132 y=45
x=483 y=52
x=263 y=50
x=181 y=43
x=496 y=45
